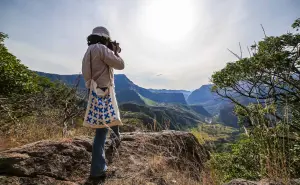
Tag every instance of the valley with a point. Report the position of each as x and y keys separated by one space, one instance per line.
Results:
x=184 y=109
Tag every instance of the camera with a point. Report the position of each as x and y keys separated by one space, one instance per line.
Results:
x=113 y=43
x=95 y=39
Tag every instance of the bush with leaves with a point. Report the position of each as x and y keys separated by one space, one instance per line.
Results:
x=15 y=78
x=271 y=75
x=263 y=154
x=23 y=93
x=241 y=162
x=18 y=85
x=265 y=88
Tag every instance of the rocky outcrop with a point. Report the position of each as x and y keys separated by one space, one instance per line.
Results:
x=263 y=182
x=140 y=159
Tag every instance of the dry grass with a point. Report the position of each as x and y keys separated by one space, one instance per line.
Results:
x=156 y=172
x=32 y=130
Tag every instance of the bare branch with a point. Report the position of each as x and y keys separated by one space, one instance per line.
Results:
x=249 y=51
x=263 y=30
x=241 y=50
x=234 y=54
x=233 y=100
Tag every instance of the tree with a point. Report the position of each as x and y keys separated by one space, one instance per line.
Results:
x=271 y=75
x=265 y=89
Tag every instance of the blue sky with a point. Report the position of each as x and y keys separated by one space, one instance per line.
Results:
x=183 y=40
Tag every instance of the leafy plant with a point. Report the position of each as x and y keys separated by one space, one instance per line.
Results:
x=265 y=89
x=271 y=75
x=24 y=93
x=15 y=78
x=241 y=162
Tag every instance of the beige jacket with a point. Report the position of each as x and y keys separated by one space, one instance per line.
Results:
x=103 y=62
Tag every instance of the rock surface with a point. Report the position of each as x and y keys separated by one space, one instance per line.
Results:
x=140 y=159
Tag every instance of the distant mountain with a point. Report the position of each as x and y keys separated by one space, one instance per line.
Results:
x=216 y=106
x=67 y=79
x=208 y=99
x=227 y=116
x=146 y=104
x=123 y=84
x=202 y=95
x=184 y=92
x=200 y=110
x=129 y=96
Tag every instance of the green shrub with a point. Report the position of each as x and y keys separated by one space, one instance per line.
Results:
x=15 y=78
x=241 y=162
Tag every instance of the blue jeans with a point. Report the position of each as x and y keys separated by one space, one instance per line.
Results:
x=98 y=166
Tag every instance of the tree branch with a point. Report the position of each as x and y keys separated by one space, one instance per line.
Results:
x=234 y=54
x=263 y=30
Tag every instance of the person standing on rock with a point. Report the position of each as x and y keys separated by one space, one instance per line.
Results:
x=99 y=62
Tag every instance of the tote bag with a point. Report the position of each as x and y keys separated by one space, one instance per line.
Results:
x=102 y=109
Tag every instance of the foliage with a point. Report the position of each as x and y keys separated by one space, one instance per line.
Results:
x=241 y=162
x=296 y=24
x=15 y=78
x=216 y=135
x=270 y=75
x=262 y=154
x=265 y=89
x=202 y=137
x=23 y=93
x=217 y=130
x=168 y=116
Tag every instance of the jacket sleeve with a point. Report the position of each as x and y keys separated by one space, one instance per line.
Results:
x=86 y=69
x=110 y=58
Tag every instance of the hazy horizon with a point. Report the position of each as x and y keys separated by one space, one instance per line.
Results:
x=166 y=44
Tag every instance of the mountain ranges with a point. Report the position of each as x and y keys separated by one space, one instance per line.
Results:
x=182 y=108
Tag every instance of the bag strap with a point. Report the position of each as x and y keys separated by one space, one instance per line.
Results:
x=111 y=76
x=91 y=65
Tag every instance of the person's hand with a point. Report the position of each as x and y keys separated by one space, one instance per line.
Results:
x=116 y=48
